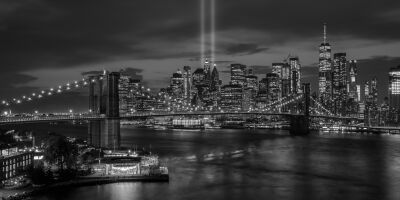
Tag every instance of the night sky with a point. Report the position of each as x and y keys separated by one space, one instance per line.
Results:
x=44 y=43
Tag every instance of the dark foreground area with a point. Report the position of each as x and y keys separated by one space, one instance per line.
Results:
x=256 y=164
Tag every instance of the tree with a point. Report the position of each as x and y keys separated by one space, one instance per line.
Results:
x=37 y=175
x=59 y=151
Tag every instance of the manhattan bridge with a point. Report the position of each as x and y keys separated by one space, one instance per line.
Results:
x=104 y=116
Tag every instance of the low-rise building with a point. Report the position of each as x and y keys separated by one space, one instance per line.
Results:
x=13 y=162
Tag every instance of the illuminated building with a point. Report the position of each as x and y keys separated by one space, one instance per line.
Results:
x=394 y=87
x=207 y=70
x=339 y=82
x=262 y=95
x=238 y=74
x=123 y=91
x=352 y=86
x=247 y=98
x=371 y=102
x=286 y=82
x=215 y=86
x=295 y=77
x=231 y=97
x=187 y=83
x=198 y=77
x=358 y=93
x=251 y=84
x=353 y=95
x=135 y=91
x=325 y=70
x=13 y=162
x=339 y=74
x=177 y=85
x=272 y=87
x=277 y=69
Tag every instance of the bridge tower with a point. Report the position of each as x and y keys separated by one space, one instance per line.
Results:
x=300 y=124
x=104 y=100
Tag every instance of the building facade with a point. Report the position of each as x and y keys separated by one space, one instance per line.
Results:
x=13 y=163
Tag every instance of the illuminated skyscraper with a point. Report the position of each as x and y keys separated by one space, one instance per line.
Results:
x=325 y=69
x=207 y=71
x=123 y=91
x=352 y=85
x=215 y=87
x=286 y=75
x=187 y=83
x=371 y=102
x=238 y=72
x=295 y=75
x=272 y=87
x=215 y=82
x=231 y=97
x=339 y=74
x=339 y=82
x=277 y=69
x=177 y=85
x=394 y=87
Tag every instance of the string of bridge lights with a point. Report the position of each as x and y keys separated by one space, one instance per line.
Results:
x=280 y=103
x=144 y=92
x=321 y=106
x=49 y=92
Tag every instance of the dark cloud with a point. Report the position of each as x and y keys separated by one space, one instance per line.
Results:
x=61 y=34
x=261 y=70
x=95 y=72
x=243 y=49
x=134 y=73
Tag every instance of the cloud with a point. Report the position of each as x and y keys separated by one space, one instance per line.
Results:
x=243 y=49
x=262 y=70
x=59 y=35
x=95 y=72
x=134 y=73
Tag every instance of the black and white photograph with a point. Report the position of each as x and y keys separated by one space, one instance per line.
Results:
x=199 y=100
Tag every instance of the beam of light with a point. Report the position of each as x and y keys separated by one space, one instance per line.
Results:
x=212 y=31
x=202 y=31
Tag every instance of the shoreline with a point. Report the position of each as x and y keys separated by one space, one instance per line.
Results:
x=80 y=182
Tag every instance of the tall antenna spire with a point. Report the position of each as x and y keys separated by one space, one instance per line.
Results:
x=324 y=33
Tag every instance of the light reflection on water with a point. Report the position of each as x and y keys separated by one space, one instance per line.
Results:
x=263 y=164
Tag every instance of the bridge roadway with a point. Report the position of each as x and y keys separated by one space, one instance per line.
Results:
x=71 y=117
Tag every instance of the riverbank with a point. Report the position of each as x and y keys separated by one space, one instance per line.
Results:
x=81 y=181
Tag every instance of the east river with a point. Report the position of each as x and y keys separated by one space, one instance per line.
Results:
x=256 y=164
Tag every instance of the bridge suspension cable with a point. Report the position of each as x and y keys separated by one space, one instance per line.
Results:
x=48 y=92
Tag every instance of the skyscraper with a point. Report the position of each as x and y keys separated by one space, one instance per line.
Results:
x=187 y=83
x=177 y=85
x=215 y=82
x=207 y=71
x=286 y=76
x=238 y=72
x=272 y=87
x=277 y=69
x=215 y=86
x=352 y=85
x=339 y=82
x=295 y=75
x=123 y=91
x=394 y=87
x=325 y=69
x=371 y=102
x=231 y=97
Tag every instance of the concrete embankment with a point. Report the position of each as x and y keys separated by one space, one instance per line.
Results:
x=81 y=181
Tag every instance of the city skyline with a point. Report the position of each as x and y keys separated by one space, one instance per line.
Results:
x=34 y=66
